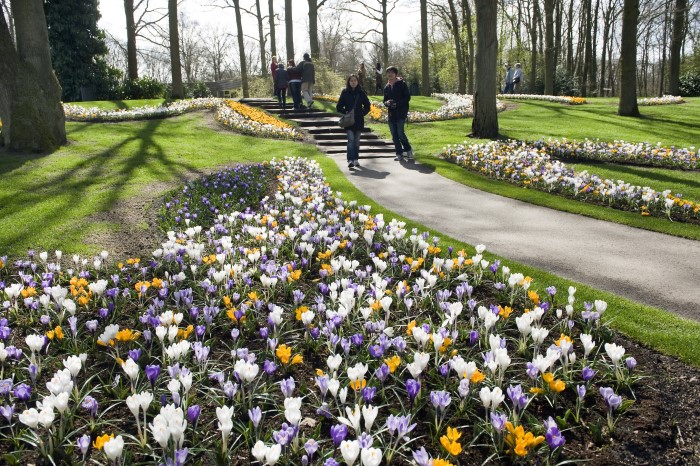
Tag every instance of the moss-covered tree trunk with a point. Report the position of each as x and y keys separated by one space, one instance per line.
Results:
x=30 y=96
x=485 y=123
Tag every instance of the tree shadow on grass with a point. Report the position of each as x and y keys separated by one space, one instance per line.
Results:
x=643 y=173
x=105 y=174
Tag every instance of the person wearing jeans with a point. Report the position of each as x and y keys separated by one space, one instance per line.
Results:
x=353 y=98
x=396 y=98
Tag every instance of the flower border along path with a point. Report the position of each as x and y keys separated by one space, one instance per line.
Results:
x=644 y=266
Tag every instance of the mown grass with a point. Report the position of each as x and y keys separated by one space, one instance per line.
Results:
x=47 y=200
x=667 y=124
x=122 y=104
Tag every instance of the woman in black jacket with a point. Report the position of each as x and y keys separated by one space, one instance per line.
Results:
x=354 y=97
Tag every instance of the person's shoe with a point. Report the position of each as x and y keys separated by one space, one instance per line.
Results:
x=409 y=155
x=399 y=158
x=351 y=164
x=357 y=163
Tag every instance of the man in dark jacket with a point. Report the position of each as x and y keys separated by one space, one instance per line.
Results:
x=308 y=79
x=396 y=98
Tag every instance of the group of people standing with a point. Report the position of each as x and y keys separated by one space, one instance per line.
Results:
x=514 y=79
x=299 y=79
x=396 y=99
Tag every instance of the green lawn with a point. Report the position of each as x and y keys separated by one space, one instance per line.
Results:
x=669 y=124
x=45 y=201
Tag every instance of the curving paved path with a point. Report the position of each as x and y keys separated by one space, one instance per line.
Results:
x=648 y=267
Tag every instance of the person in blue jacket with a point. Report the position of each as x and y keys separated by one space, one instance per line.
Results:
x=396 y=98
x=354 y=97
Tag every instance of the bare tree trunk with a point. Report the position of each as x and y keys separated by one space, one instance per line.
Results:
x=628 y=60
x=592 y=66
x=677 y=37
x=549 y=64
x=588 y=49
x=289 y=29
x=606 y=35
x=132 y=64
x=271 y=13
x=470 y=44
x=314 y=5
x=533 y=44
x=485 y=122
x=557 y=32
x=424 y=51
x=570 y=40
x=241 y=48
x=30 y=96
x=178 y=91
x=454 y=25
x=662 y=69
x=261 y=38
x=385 y=33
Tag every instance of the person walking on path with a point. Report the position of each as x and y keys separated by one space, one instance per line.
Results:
x=273 y=72
x=294 y=83
x=361 y=75
x=378 y=79
x=508 y=89
x=308 y=79
x=281 y=83
x=354 y=98
x=396 y=98
x=518 y=78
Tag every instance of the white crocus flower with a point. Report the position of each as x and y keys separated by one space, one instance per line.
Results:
x=369 y=414
x=588 y=343
x=113 y=448
x=371 y=456
x=350 y=449
x=614 y=352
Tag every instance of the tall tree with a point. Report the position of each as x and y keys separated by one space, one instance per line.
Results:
x=132 y=63
x=178 y=91
x=260 y=19
x=77 y=44
x=271 y=16
x=424 y=50
x=549 y=63
x=467 y=20
x=588 y=47
x=241 y=48
x=457 y=37
x=30 y=96
x=628 y=60
x=679 y=28
x=377 y=11
x=533 y=44
x=289 y=28
x=485 y=122
x=314 y=5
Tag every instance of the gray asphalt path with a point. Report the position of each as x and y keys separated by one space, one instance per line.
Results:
x=651 y=268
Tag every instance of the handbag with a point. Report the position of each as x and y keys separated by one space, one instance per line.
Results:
x=348 y=119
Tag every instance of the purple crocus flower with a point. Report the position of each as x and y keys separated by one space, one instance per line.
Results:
x=612 y=400
x=382 y=372
x=90 y=404
x=440 y=399
x=22 y=392
x=311 y=447
x=193 y=414
x=331 y=462
x=421 y=457
x=152 y=373
x=324 y=411
x=269 y=367
x=553 y=436
x=368 y=393
x=7 y=411
x=181 y=456
x=135 y=354
x=473 y=337
x=255 y=416
x=587 y=374
x=631 y=363
x=83 y=444
x=287 y=386
x=5 y=387
x=517 y=397
x=230 y=389
x=338 y=434
x=285 y=435
x=532 y=371
x=412 y=388
x=581 y=390
x=498 y=421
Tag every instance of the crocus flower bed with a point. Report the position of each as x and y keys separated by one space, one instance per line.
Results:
x=641 y=153
x=249 y=120
x=456 y=106
x=306 y=331
x=201 y=201
x=78 y=113
x=664 y=100
x=532 y=167
x=562 y=99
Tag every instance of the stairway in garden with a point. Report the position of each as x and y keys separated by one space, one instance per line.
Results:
x=323 y=128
